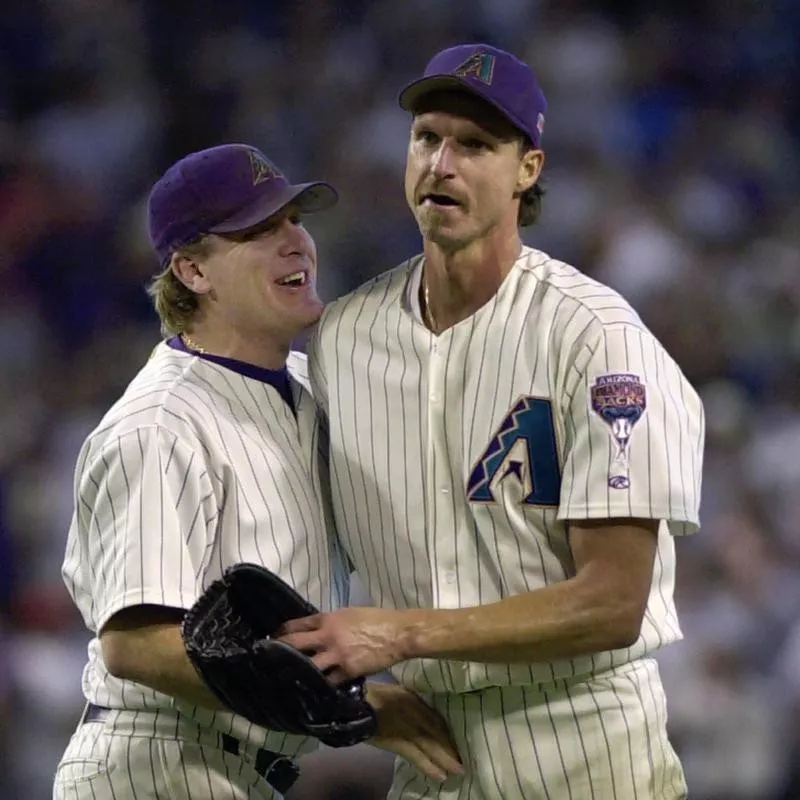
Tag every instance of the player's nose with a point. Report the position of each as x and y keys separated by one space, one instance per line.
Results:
x=443 y=160
x=295 y=239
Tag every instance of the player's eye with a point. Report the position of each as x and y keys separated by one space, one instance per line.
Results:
x=476 y=144
x=249 y=235
x=266 y=229
x=427 y=136
x=270 y=226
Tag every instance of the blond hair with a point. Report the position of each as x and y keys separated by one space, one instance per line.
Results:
x=175 y=303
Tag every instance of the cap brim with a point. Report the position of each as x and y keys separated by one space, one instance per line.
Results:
x=308 y=197
x=410 y=96
x=437 y=83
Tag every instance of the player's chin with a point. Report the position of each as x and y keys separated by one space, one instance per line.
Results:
x=441 y=227
x=311 y=310
x=298 y=312
x=297 y=325
x=446 y=236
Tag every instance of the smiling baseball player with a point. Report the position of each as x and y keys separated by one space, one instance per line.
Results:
x=208 y=459
x=512 y=453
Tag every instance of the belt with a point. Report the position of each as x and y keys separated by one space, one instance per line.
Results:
x=278 y=770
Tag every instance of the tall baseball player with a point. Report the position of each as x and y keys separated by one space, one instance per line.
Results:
x=512 y=453
x=208 y=459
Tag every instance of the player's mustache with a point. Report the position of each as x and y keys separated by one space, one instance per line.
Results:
x=439 y=188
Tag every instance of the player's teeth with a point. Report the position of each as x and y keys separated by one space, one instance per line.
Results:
x=296 y=277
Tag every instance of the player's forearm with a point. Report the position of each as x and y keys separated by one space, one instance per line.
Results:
x=154 y=655
x=170 y=670
x=566 y=620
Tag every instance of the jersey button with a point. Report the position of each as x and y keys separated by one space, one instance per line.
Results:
x=450 y=577
x=445 y=490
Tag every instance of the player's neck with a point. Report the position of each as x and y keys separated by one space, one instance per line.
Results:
x=259 y=350
x=455 y=284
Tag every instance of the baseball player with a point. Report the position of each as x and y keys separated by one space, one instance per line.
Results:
x=512 y=453
x=208 y=459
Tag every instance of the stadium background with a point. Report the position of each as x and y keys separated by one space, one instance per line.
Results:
x=672 y=173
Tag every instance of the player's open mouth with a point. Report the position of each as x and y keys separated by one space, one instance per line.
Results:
x=296 y=279
x=439 y=200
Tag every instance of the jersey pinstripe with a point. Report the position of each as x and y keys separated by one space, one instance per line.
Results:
x=585 y=740
x=195 y=468
x=456 y=460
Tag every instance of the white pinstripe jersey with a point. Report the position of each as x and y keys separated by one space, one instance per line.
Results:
x=456 y=460
x=195 y=468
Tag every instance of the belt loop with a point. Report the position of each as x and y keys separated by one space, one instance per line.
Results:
x=230 y=744
x=278 y=770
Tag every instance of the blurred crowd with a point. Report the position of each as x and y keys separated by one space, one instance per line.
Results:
x=672 y=174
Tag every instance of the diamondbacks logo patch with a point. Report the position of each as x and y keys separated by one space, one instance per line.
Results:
x=479 y=66
x=522 y=451
x=619 y=399
x=261 y=168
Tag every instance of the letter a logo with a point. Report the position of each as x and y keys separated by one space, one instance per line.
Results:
x=479 y=66
x=261 y=168
x=524 y=450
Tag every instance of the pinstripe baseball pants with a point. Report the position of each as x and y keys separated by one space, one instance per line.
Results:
x=601 y=739
x=103 y=763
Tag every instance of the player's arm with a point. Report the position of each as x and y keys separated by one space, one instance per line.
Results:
x=144 y=644
x=143 y=502
x=600 y=608
x=612 y=507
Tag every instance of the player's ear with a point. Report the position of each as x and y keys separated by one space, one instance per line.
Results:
x=530 y=168
x=190 y=273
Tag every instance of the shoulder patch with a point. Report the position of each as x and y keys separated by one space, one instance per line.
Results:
x=619 y=400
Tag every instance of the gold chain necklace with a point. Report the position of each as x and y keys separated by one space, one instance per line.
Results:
x=191 y=344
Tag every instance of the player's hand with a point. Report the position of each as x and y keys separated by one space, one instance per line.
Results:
x=350 y=642
x=411 y=729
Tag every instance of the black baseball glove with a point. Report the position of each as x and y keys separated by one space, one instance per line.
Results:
x=227 y=634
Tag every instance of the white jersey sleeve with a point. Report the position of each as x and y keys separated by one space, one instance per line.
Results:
x=633 y=433
x=143 y=504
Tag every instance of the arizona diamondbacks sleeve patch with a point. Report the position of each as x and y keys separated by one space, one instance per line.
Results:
x=634 y=435
x=619 y=400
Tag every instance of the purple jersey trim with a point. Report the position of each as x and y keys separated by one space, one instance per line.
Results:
x=277 y=378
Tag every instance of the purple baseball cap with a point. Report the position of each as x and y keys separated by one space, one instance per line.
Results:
x=222 y=190
x=494 y=75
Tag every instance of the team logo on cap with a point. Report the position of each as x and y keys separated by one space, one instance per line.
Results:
x=479 y=66
x=540 y=123
x=262 y=169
